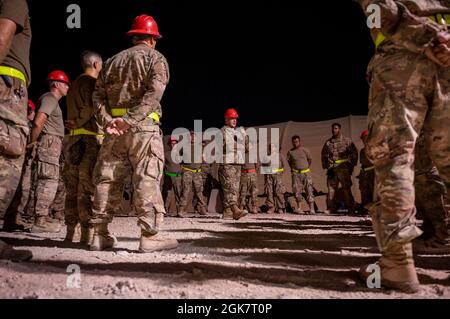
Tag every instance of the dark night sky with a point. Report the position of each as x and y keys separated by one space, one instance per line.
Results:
x=274 y=61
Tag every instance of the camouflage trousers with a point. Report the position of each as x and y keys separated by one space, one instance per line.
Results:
x=303 y=184
x=192 y=181
x=274 y=189
x=340 y=179
x=48 y=173
x=230 y=177
x=80 y=158
x=174 y=184
x=139 y=153
x=366 y=186
x=408 y=92
x=248 y=193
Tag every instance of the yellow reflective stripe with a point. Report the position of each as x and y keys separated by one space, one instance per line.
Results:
x=278 y=170
x=6 y=70
x=302 y=171
x=117 y=112
x=341 y=161
x=191 y=170
x=439 y=18
x=82 y=131
x=367 y=169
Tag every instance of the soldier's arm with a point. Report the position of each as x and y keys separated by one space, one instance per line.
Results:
x=324 y=157
x=99 y=101
x=402 y=27
x=7 y=32
x=38 y=126
x=353 y=154
x=86 y=109
x=309 y=157
x=157 y=82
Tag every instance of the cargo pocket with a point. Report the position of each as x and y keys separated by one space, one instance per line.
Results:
x=155 y=163
x=47 y=171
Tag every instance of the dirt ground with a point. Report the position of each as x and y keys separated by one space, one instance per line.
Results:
x=264 y=256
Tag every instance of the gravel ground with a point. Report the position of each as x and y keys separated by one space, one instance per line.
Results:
x=264 y=256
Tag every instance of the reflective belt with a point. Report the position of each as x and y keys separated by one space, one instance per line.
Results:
x=308 y=170
x=438 y=18
x=278 y=170
x=122 y=111
x=172 y=174
x=341 y=161
x=82 y=131
x=368 y=169
x=6 y=70
x=191 y=170
x=248 y=171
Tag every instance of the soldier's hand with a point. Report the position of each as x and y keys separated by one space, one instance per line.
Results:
x=442 y=53
x=117 y=127
x=71 y=125
x=430 y=53
x=31 y=151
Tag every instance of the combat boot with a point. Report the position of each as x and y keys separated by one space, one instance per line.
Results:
x=271 y=210
x=182 y=212
x=431 y=246
x=102 y=238
x=9 y=253
x=238 y=213
x=298 y=211
x=87 y=235
x=280 y=211
x=312 y=210
x=397 y=269
x=227 y=214
x=43 y=225
x=150 y=243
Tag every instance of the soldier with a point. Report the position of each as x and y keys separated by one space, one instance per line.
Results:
x=127 y=101
x=47 y=134
x=230 y=169
x=81 y=149
x=273 y=183
x=339 y=157
x=432 y=202
x=172 y=176
x=208 y=179
x=367 y=175
x=192 y=179
x=299 y=159
x=57 y=208
x=248 y=194
x=15 y=33
x=409 y=91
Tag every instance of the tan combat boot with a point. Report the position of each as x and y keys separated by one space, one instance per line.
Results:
x=150 y=243
x=397 y=269
x=87 y=235
x=238 y=213
x=102 y=238
x=227 y=214
x=43 y=225
x=9 y=253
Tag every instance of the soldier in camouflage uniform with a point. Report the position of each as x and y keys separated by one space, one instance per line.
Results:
x=299 y=159
x=47 y=135
x=172 y=176
x=230 y=169
x=127 y=102
x=367 y=175
x=248 y=194
x=81 y=149
x=192 y=180
x=15 y=33
x=410 y=91
x=339 y=157
x=273 y=183
x=431 y=202
x=57 y=208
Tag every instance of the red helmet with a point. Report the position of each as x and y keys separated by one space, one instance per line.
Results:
x=31 y=105
x=58 y=76
x=365 y=133
x=144 y=24
x=173 y=139
x=231 y=114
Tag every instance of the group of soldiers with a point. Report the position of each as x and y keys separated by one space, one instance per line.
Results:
x=114 y=114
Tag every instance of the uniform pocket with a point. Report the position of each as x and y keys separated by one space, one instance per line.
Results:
x=155 y=163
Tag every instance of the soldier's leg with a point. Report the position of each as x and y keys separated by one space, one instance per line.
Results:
x=279 y=193
x=253 y=189
x=177 y=187
x=165 y=190
x=307 y=183
x=57 y=206
x=10 y=173
x=243 y=191
x=198 y=192
x=297 y=190
x=26 y=189
x=186 y=180
x=332 y=185
x=269 y=190
x=71 y=174
x=345 y=179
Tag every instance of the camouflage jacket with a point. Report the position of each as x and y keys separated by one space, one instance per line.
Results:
x=341 y=148
x=237 y=139
x=134 y=79
x=404 y=23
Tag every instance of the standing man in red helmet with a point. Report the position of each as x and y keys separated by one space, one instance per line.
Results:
x=235 y=143
x=46 y=142
x=127 y=100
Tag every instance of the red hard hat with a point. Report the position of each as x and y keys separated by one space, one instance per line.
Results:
x=365 y=133
x=31 y=105
x=231 y=114
x=144 y=24
x=173 y=139
x=59 y=76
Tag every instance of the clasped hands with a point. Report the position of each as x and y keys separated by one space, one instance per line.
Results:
x=117 y=127
x=439 y=53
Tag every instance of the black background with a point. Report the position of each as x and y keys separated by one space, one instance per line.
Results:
x=273 y=61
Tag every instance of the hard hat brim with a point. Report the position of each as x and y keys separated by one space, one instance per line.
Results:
x=142 y=32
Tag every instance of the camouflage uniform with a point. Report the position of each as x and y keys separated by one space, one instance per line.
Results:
x=408 y=92
x=300 y=161
x=131 y=83
x=172 y=180
x=208 y=181
x=58 y=206
x=366 y=178
x=339 y=157
x=431 y=196
x=274 y=188
x=248 y=194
